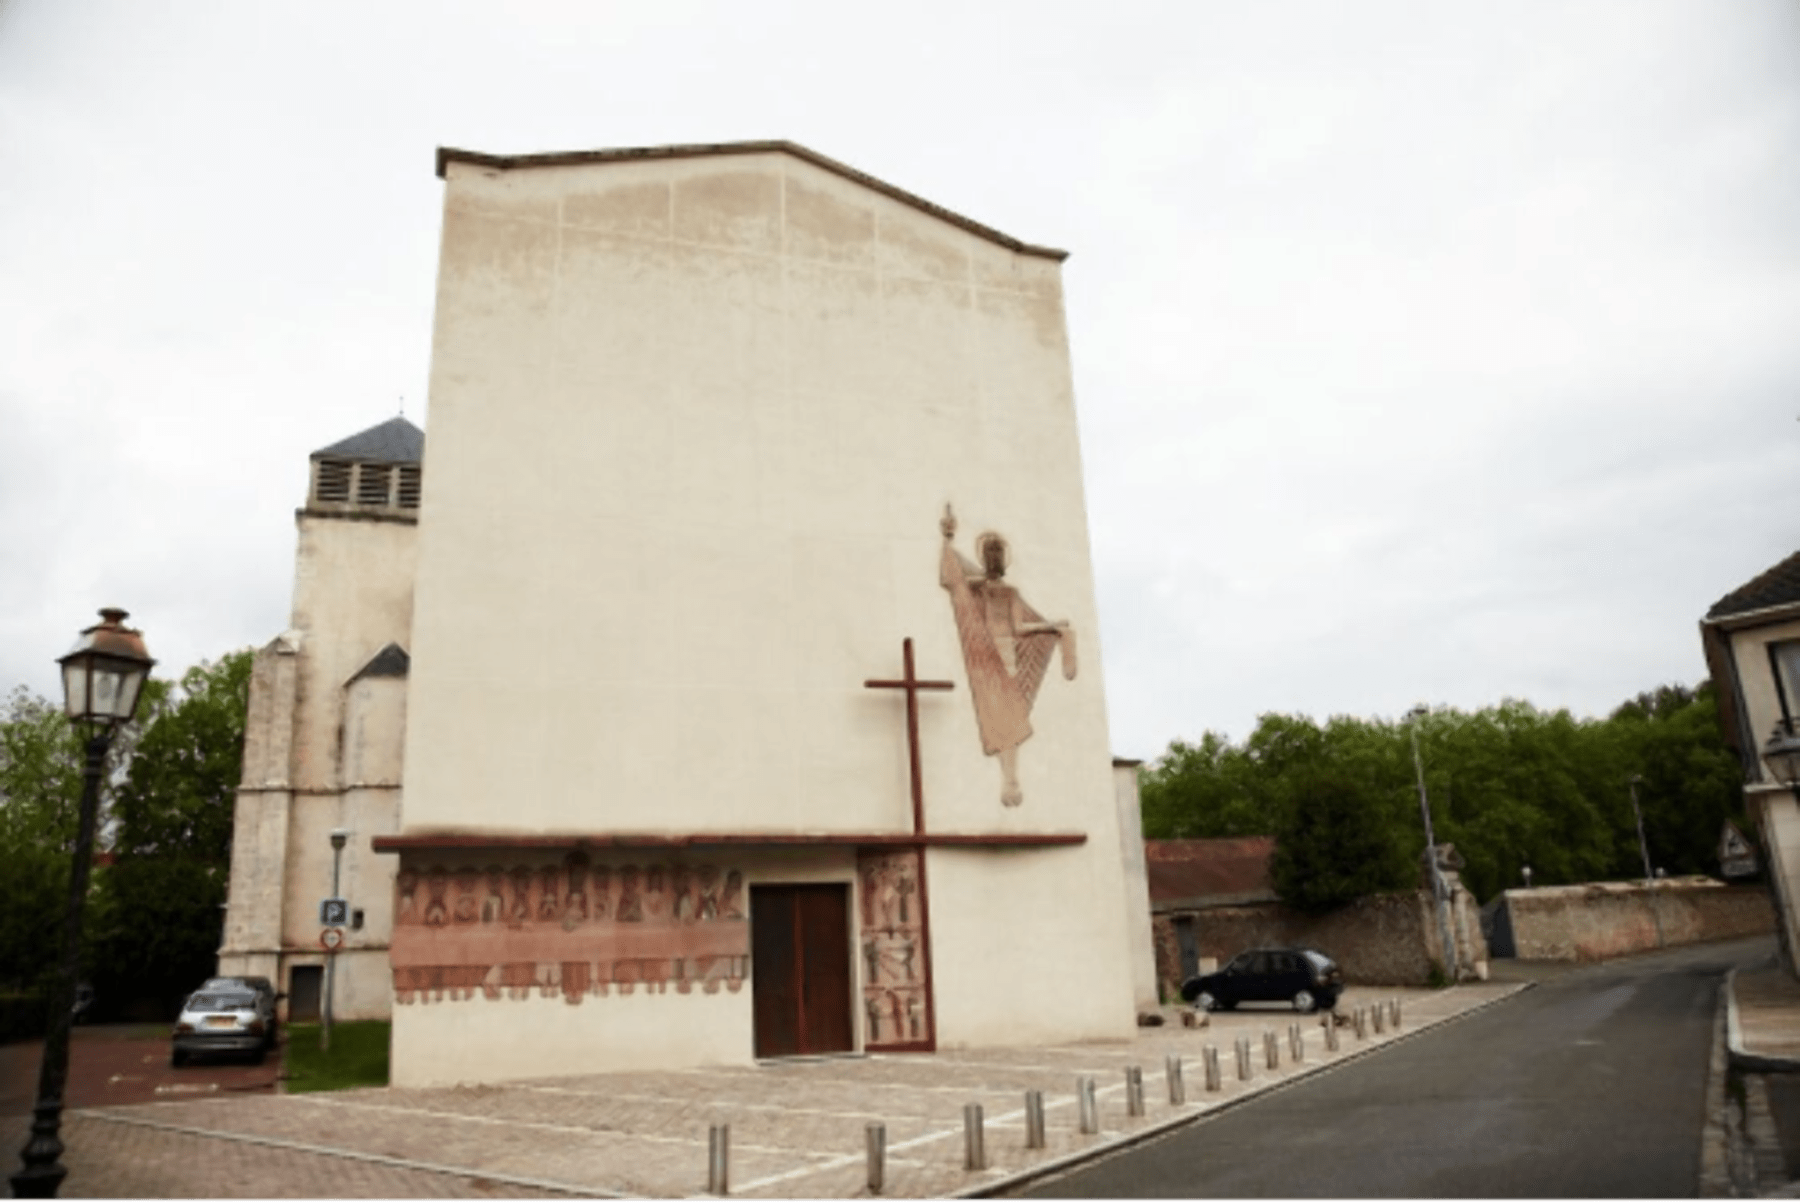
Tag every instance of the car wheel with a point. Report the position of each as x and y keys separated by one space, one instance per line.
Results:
x=1206 y=1001
x=1304 y=1002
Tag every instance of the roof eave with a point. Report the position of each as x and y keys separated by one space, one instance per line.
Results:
x=1761 y=616
x=450 y=154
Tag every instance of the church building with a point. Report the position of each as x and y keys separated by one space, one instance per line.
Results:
x=735 y=628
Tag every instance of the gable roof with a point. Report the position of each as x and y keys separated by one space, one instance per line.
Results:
x=449 y=154
x=1193 y=873
x=395 y=441
x=1778 y=586
x=390 y=661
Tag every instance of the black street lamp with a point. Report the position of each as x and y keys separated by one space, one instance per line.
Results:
x=1782 y=754
x=102 y=678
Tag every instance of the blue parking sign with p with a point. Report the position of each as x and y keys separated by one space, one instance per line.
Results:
x=334 y=912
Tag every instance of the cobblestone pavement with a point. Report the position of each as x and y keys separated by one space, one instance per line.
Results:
x=797 y=1128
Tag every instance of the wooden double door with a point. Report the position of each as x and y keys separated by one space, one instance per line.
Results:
x=800 y=969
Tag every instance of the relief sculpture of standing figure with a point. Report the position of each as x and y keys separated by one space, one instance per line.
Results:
x=1006 y=647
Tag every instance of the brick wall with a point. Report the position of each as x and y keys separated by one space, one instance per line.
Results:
x=1386 y=939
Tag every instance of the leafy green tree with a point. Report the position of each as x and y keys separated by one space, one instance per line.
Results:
x=40 y=799
x=1335 y=841
x=1510 y=785
x=1209 y=790
x=162 y=914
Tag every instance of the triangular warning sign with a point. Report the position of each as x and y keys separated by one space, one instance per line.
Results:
x=1732 y=843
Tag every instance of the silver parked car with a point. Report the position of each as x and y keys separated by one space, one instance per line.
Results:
x=226 y=1015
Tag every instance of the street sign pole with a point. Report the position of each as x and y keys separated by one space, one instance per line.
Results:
x=338 y=839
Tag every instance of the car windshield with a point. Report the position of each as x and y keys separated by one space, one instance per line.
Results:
x=234 y=1001
x=1320 y=960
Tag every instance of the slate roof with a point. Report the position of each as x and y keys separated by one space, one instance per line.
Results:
x=1209 y=872
x=390 y=661
x=395 y=441
x=1779 y=586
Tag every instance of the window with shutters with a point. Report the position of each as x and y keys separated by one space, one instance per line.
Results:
x=409 y=487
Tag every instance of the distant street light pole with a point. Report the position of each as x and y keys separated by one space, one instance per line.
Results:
x=102 y=678
x=1438 y=888
x=1643 y=845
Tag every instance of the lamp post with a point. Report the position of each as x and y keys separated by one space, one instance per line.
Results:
x=339 y=837
x=1438 y=889
x=102 y=678
x=1526 y=873
x=1643 y=845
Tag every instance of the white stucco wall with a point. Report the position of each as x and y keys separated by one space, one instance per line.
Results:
x=694 y=422
x=1136 y=884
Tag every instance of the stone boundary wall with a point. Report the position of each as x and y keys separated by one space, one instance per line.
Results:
x=1610 y=919
x=1383 y=940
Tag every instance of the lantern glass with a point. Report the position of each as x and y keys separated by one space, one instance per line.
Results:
x=105 y=673
x=1782 y=755
x=75 y=689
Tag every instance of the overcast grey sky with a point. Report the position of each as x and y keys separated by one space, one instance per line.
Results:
x=1424 y=351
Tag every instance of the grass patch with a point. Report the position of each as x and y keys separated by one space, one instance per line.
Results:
x=358 y=1056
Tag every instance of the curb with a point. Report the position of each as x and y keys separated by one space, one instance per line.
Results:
x=1740 y=1057
x=1165 y=1126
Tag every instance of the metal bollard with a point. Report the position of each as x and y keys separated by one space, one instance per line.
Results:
x=1394 y=1013
x=974 y=1152
x=1243 y=1058
x=1172 y=1073
x=1380 y=1020
x=877 y=1141
x=718 y=1160
x=1331 y=1041
x=1134 y=1090
x=1090 y=1109
x=1296 y=1044
x=1215 y=1080
x=1271 y=1050
x=1361 y=1019
x=1034 y=1119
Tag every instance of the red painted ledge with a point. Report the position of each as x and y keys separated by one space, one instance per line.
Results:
x=466 y=839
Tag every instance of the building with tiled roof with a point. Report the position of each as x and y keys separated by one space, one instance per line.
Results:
x=1751 y=637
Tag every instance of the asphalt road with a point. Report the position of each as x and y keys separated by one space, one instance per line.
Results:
x=126 y=1063
x=1590 y=1085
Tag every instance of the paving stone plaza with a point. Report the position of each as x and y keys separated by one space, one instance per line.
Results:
x=796 y=1128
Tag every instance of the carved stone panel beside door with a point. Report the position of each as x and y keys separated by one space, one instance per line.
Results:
x=895 y=979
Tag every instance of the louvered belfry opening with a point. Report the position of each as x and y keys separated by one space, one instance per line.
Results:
x=375 y=471
x=333 y=481
x=374 y=484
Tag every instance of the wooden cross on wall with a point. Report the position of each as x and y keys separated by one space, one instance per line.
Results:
x=912 y=685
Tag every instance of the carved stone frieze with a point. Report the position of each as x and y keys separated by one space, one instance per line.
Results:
x=571 y=927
